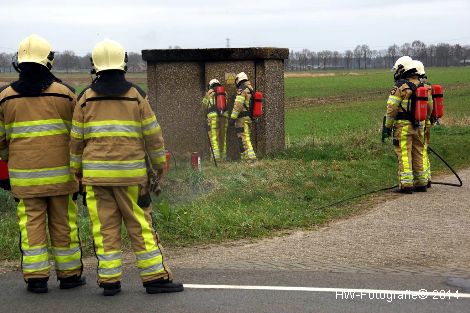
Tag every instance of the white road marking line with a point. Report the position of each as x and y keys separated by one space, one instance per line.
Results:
x=418 y=293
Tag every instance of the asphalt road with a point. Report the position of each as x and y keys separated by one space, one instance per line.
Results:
x=407 y=243
x=15 y=298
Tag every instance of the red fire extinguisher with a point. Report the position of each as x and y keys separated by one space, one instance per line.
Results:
x=220 y=100
x=437 y=101
x=257 y=109
x=421 y=104
x=195 y=161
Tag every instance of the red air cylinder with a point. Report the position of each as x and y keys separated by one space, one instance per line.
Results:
x=4 y=170
x=437 y=101
x=257 y=105
x=220 y=99
x=421 y=104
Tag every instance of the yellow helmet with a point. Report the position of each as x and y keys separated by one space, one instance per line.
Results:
x=36 y=49
x=108 y=55
x=240 y=77
x=419 y=66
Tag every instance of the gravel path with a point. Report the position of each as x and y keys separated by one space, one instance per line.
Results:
x=422 y=233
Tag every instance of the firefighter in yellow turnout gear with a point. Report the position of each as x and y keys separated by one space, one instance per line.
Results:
x=35 y=121
x=217 y=122
x=427 y=127
x=241 y=115
x=113 y=130
x=408 y=136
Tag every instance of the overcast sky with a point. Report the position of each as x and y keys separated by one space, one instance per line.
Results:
x=295 y=24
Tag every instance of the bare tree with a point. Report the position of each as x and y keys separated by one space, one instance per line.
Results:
x=393 y=52
x=406 y=49
x=348 y=55
x=365 y=51
x=358 y=55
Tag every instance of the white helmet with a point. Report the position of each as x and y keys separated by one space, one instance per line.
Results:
x=213 y=82
x=240 y=77
x=403 y=65
x=419 y=66
x=108 y=55
x=36 y=49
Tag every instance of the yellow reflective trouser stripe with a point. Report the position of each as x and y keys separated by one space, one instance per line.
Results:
x=34 y=258
x=213 y=136
x=249 y=153
x=147 y=235
x=69 y=258
x=95 y=221
x=21 y=211
x=109 y=263
x=148 y=262
x=72 y=217
x=406 y=177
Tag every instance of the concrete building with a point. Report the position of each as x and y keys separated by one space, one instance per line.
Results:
x=177 y=82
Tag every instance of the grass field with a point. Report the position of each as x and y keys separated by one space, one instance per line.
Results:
x=333 y=151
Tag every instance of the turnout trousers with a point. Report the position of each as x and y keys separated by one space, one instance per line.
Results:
x=108 y=206
x=61 y=215
x=242 y=128
x=427 y=140
x=217 y=130
x=410 y=150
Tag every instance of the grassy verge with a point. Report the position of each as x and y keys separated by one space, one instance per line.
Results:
x=333 y=151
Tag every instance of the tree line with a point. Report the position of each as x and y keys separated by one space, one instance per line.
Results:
x=442 y=54
x=362 y=56
x=67 y=61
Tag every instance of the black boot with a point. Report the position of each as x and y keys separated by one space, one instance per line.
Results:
x=38 y=285
x=72 y=282
x=421 y=189
x=162 y=286
x=405 y=190
x=429 y=185
x=110 y=289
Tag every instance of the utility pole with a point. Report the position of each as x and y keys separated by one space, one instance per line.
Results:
x=228 y=42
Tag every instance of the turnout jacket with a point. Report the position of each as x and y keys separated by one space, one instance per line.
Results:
x=242 y=102
x=34 y=138
x=399 y=100
x=110 y=138
x=209 y=104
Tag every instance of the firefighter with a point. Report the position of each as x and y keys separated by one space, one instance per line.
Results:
x=427 y=127
x=35 y=121
x=408 y=135
x=242 y=117
x=217 y=121
x=114 y=133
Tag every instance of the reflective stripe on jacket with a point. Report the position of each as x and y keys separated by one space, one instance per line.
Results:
x=110 y=136
x=242 y=101
x=34 y=137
